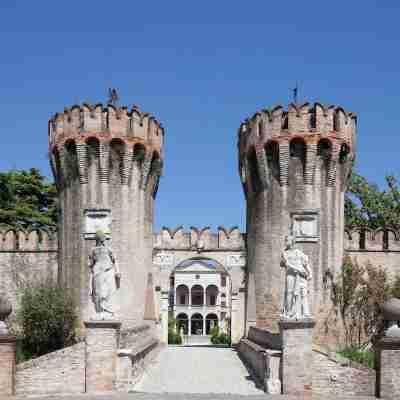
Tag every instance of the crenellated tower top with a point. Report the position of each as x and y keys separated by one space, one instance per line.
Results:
x=276 y=134
x=80 y=123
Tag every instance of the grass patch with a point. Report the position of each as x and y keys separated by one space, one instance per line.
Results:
x=364 y=357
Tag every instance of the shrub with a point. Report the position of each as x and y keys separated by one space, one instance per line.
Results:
x=174 y=338
x=48 y=319
x=395 y=290
x=365 y=357
x=223 y=339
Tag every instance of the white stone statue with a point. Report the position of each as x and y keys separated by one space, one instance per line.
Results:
x=298 y=274
x=104 y=278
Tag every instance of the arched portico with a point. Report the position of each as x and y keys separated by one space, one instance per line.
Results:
x=211 y=322
x=197 y=324
x=182 y=295
x=182 y=321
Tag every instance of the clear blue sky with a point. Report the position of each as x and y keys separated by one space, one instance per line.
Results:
x=200 y=67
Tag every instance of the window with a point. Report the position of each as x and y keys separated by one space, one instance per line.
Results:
x=182 y=299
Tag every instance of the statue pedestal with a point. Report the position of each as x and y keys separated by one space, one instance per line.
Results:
x=101 y=354
x=297 y=358
x=388 y=367
x=7 y=364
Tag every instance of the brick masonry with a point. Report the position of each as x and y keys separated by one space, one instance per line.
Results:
x=7 y=364
x=388 y=357
x=102 y=339
x=331 y=374
x=62 y=371
x=297 y=357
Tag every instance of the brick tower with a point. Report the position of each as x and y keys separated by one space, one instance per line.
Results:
x=106 y=162
x=294 y=166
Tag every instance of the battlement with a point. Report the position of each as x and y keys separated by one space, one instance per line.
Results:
x=80 y=123
x=310 y=123
x=33 y=240
x=270 y=139
x=381 y=239
x=202 y=239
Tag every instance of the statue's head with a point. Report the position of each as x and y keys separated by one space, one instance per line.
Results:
x=100 y=238
x=290 y=240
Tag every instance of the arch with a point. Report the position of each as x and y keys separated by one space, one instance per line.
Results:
x=182 y=321
x=139 y=152
x=196 y=324
x=117 y=150
x=182 y=295
x=71 y=161
x=253 y=170
x=297 y=148
x=156 y=164
x=211 y=295
x=211 y=322
x=197 y=295
x=324 y=148
x=344 y=153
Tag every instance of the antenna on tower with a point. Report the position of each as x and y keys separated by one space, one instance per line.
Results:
x=113 y=96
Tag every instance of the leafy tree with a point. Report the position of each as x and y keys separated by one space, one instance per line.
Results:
x=366 y=205
x=47 y=318
x=27 y=200
x=357 y=294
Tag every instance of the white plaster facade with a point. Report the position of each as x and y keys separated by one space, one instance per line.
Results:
x=201 y=297
x=173 y=248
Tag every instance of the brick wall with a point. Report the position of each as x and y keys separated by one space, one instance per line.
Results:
x=26 y=259
x=335 y=375
x=62 y=371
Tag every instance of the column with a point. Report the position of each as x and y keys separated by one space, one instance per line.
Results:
x=164 y=316
x=101 y=355
x=297 y=358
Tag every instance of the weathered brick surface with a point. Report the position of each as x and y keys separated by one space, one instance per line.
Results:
x=19 y=268
x=101 y=355
x=297 y=357
x=388 y=356
x=334 y=375
x=7 y=365
x=62 y=371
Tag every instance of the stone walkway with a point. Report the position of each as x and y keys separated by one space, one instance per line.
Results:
x=198 y=370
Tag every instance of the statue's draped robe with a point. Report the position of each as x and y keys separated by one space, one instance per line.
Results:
x=297 y=274
x=103 y=283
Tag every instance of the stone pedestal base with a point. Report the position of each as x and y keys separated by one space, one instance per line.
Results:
x=101 y=355
x=297 y=356
x=7 y=365
x=388 y=368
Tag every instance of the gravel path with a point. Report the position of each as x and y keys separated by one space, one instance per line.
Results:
x=198 y=370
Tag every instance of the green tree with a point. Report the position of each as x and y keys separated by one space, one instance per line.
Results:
x=47 y=318
x=357 y=294
x=367 y=205
x=27 y=200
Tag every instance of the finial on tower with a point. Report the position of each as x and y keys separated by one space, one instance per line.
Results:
x=113 y=96
x=295 y=93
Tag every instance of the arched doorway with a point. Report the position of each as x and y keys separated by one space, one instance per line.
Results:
x=182 y=321
x=196 y=324
x=211 y=322
x=197 y=295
